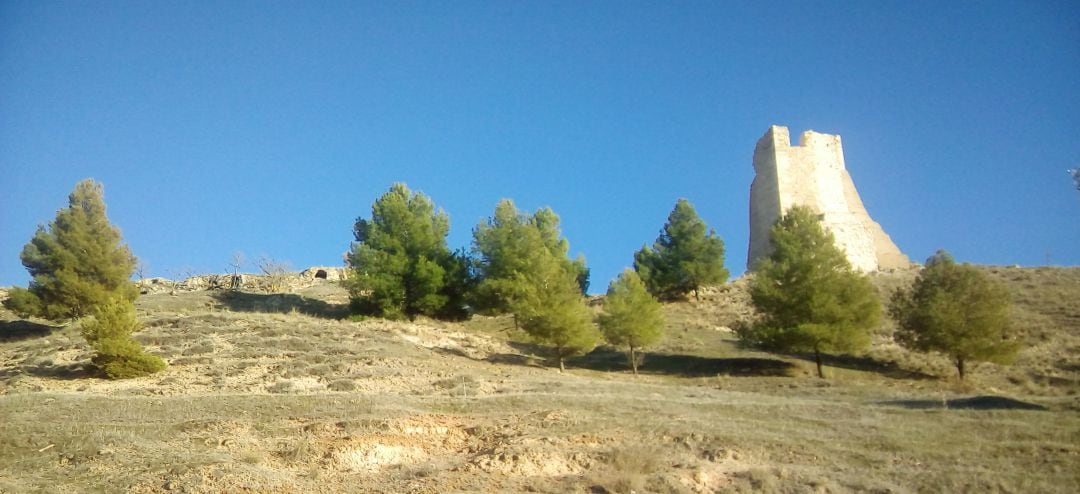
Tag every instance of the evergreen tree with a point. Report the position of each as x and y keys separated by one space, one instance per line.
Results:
x=109 y=333
x=810 y=297
x=551 y=309
x=547 y=223
x=631 y=317
x=684 y=257
x=460 y=283
x=400 y=258
x=507 y=247
x=524 y=270
x=76 y=263
x=957 y=310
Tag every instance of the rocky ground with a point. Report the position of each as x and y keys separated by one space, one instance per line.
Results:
x=278 y=393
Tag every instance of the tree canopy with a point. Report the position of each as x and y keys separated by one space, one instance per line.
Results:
x=76 y=263
x=552 y=311
x=509 y=245
x=809 y=296
x=400 y=259
x=631 y=316
x=684 y=258
x=523 y=269
x=957 y=310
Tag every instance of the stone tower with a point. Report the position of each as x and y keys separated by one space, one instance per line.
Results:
x=813 y=174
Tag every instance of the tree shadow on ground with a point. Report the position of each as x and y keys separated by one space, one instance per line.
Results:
x=530 y=354
x=610 y=359
x=24 y=330
x=985 y=402
x=282 y=303
x=885 y=368
x=64 y=372
x=607 y=358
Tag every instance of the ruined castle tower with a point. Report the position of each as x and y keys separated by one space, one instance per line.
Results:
x=813 y=174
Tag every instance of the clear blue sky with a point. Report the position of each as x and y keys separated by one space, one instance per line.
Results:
x=268 y=127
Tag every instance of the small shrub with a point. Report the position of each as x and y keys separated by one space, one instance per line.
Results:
x=109 y=333
x=342 y=385
x=128 y=366
x=629 y=469
x=293 y=369
x=636 y=459
x=280 y=387
x=199 y=348
x=320 y=370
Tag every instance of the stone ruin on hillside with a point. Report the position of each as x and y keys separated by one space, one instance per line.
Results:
x=286 y=282
x=813 y=174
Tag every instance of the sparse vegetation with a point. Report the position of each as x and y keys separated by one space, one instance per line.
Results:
x=808 y=294
x=439 y=406
x=275 y=273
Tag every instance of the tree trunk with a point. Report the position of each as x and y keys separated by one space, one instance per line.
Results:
x=562 y=367
x=633 y=359
x=817 y=358
x=696 y=295
x=960 y=367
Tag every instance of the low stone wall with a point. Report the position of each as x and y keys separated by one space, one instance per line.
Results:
x=280 y=283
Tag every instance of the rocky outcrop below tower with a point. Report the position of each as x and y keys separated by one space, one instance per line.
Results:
x=813 y=174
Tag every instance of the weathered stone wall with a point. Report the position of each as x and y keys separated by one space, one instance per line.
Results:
x=813 y=174
x=285 y=282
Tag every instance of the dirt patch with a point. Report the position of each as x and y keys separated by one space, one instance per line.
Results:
x=370 y=456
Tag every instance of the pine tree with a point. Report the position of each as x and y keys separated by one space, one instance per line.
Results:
x=76 y=263
x=684 y=257
x=631 y=317
x=524 y=270
x=957 y=310
x=400 y=258
x=551 y=309
x=109 y=333
x=810 y=297
x=545 y=221
x=506 y=248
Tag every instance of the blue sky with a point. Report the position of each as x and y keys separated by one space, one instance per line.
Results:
x=268 y=127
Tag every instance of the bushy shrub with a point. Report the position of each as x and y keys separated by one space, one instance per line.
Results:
x=109 y=332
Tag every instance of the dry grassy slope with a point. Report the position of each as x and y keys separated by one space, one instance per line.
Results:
x=272 y=393
x=1045 y=313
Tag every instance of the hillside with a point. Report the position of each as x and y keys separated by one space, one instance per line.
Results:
x=275 y=393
